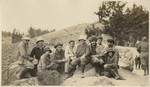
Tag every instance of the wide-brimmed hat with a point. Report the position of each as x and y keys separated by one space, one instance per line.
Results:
x=47 y=49
x=26 y=37
x=144 y=38
x=111 y=40
x=82 y=37
x=39 y=39
x=58 y=44
x=93 y=38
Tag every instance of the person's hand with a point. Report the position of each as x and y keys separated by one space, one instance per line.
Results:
x=65 y=60
x=94 y=56
x=105 y=66
x=101 y=61
x=30 y=58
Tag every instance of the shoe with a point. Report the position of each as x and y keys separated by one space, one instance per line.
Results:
x=97 y=75
x=82 y=75
x=119 y=78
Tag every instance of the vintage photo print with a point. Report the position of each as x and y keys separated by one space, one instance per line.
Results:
x=74 y=42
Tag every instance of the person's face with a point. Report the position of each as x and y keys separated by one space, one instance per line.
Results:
x=40 y=43
x=26 y=41
x=93 y=43
x=81 y=42
x=99 y=41
x=59 y=48
x=72 y=44
x=110 y=44
x=110 y=54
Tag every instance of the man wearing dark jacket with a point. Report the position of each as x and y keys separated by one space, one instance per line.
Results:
x=36 y=53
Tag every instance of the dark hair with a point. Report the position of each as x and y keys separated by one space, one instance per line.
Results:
x=71 y=41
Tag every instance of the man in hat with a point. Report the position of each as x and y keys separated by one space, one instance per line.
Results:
x=59 y=57
x=82 y=56
x=36 y=53
x=111 y=60
x=46 y=62
x=95 y=60
x=23 y=56
x=143 y=49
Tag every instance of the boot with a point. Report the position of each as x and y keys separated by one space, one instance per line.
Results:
x=23 y=73
x=116 y=75
x=82 y=70
x=71 y=71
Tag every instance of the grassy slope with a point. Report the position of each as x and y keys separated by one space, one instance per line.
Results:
x=63 y=36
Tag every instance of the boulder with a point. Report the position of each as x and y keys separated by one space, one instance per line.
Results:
x=25 y=82
x=48 y=77
x=89 y=80
x=127 y=57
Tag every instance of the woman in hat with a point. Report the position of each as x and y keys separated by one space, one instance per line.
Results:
x=46 y=62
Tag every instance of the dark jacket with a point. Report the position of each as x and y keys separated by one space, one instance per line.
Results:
x=37 y=52
x=112 y=61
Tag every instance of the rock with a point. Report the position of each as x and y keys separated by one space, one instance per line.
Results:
x=48 y=77
x=25 y=82
x=89 y=80
x=127 y=57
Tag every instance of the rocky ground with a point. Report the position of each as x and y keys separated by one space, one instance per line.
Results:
x=134 y=78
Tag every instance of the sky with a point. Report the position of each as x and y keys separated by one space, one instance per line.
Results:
x=50 y=14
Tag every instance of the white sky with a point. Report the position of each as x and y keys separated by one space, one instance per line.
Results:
x=49 y=14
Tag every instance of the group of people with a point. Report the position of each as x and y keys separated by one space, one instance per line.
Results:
x=103 y=58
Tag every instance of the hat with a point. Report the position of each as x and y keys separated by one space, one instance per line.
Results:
x=26 y=37
x=111 y=40
x=58 y=44
x=144 y=39
x=47 y=49
x=82 y=37
x=92 y=38
x=110 y=50
x=99 y=37
x=39 y=39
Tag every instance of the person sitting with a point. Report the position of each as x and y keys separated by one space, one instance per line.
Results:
x=82 y=57
x=69 y=54
x=23 y=57
x=96 y=59
x=59 y=57
x=46 y=62
x=36 y=53
x=111 y=61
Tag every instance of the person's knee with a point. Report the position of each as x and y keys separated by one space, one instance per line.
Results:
x=107 y=74
x=106 y=67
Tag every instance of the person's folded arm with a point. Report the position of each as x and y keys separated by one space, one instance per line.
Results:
x=116 y=57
